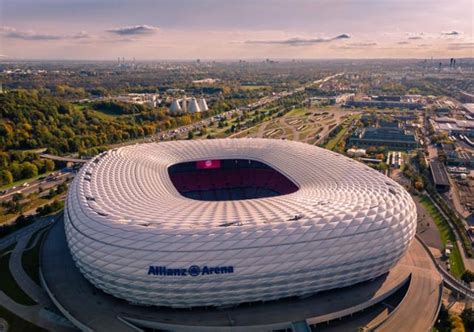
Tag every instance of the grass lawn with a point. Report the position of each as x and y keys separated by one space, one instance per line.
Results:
x=20 y=182
x=33 y=204
x=9 y=286
x=254 y=87
x=16 y=324
x=447 y=235
x=332 y=143
x=30 y=258
x=297 y=112
x=38 y=150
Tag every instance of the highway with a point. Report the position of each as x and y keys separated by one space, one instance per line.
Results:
x=33 y=186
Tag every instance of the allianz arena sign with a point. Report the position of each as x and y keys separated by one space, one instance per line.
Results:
x=193 y=270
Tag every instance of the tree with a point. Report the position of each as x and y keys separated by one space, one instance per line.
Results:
x=4 y=159
x=29 y=170
x=16 y=170
x=457 y=324
x=382 y=166
x=49 y=165
x=468 y=276
x=467 y=317
x=17 y=197
x=6 y=177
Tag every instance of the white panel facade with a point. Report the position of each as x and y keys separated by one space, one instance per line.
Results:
x=128 y=227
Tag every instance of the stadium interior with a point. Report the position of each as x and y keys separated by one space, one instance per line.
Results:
x=229 y=179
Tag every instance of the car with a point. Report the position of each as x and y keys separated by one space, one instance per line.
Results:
x=26 y=184
x=3 y=192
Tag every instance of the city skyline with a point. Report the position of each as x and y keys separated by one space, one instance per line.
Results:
x=212 y=29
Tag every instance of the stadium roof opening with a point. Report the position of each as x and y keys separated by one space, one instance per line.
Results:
x=229 y=179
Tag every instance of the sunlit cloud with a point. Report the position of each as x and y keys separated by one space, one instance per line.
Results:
x=299 y=41
x=451 y=33
x=135 y=30
x=461 y=46
x=33 y=35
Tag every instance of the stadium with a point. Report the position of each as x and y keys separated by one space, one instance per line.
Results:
x=214 y=223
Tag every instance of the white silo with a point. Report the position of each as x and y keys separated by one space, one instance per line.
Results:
x=175 y=107
x=184 y=104
x=203 y=105
x=193 y=106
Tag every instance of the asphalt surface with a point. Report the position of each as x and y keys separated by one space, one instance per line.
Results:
x=42 y=314
x=99 y=311
x=34 y=185
x=36 y=225
x=419 y=309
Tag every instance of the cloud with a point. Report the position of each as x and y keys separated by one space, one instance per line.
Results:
x=415 y=38
x=32 y=35
x=299 y=41
x=403 y=43
x=451 y=33
x=461 y=46
x=135 y=30
x=363 y=44
x=355 y=46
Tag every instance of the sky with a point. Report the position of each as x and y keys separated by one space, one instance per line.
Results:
x=235 y=29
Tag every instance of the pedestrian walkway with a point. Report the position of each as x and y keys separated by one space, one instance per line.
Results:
x=40 y=314
x=22 y=278
x=468 y=261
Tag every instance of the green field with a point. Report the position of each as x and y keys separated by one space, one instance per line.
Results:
x=30 y=258
x=31 y=205
x=254 y=87
x=447 y=235
x=20 y=182
x=297 y=112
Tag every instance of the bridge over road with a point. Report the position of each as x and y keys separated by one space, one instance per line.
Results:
x=65 y=159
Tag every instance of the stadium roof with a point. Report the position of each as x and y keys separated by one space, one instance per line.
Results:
x=346 y=223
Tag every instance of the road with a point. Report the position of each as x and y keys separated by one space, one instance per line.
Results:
x=66 y=159
x=33 y=186
x=419 y=309
x=39 y=314
x=13 y=237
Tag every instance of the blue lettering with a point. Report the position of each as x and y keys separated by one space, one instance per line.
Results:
x=151 y=270
x=193 y=270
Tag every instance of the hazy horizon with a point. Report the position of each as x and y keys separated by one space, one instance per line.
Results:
x=213 y=29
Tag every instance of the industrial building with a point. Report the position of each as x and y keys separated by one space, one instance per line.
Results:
x=391 y=137
x=384 y=104
x=150 y=99
x=440 y=176
x=453 y=126
x=188 y=105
